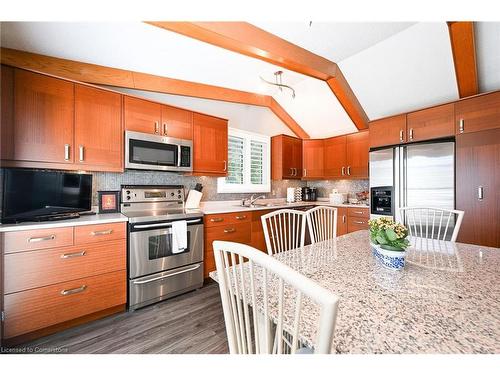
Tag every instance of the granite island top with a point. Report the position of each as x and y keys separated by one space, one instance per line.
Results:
x=446 y=300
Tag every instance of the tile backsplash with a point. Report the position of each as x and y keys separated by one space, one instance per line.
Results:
x=113 y=181
x=343 y=186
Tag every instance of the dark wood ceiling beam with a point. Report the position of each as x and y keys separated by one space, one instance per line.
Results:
x=103 y=75
x=464 y=57
x=249 y=40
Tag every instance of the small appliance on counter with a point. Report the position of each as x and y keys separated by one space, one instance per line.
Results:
x=336 y=197
x=309 y=194
x=194 y=197
x=290 y=195
x=298 y=194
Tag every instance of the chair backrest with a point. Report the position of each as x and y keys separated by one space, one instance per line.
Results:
x=263 y=302
x=322 y=223
x=284 y=230
x=432 y=223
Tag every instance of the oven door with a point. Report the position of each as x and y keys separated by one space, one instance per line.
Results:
x=151 y=247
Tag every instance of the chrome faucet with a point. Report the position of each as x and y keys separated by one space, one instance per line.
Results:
x=252 y=199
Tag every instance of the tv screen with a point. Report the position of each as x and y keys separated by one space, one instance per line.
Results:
x=30 y=195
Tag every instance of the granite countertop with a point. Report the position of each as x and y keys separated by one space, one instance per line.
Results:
x=446 y=300
x=82 y=220
x=219 y=207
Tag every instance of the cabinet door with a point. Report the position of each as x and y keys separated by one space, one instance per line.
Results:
x=436 y=122
x=335 y=157
x=7 y=117
x=341 y=221
x=357 y=146
x=479 y=113
x=388 y=131
x=286 y=157
x=142 y=115
x=43 y=118
x=313 y=155
x=98 y=129
x=296 y=157
x=176 y=122
x=209 y=145
x=478 y=170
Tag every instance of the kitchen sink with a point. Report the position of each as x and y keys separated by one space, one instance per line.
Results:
x=260 y=205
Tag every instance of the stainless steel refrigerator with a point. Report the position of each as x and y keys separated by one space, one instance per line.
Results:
x=413 y=175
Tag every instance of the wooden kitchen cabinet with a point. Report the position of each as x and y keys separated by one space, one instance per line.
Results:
x=176 y=122
x=357 y=218
x=43 y=118
x=431 y=123
x=357 y=150
x=477 y=186
x=286 y=157
x=335 y=157
x=313 y=159
x=478 y=113
x=341 y=221
x=388 y=131
x=142 y=115
x=98 y=129
x=7 y=115
x=210 y=139
x=258 y=239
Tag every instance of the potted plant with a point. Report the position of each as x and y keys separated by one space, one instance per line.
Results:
x=389 y=242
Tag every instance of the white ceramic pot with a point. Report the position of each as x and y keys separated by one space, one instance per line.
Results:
x=394 y=260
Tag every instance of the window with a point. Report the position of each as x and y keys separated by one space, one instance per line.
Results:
x=248 y=167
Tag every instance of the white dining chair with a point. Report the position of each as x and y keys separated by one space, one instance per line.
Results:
x=322 y=223
x=432 y=223
x=263 y=301
x=284 y=230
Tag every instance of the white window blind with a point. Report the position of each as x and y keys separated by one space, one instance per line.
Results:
x=248 y=163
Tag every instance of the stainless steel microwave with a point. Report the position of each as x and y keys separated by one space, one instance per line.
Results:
x=154 y=152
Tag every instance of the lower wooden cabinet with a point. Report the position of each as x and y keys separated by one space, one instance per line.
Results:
x=341 y=221
x=56 y=277
x=357 y=218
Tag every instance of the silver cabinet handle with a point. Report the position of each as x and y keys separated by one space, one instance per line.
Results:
x=305 y=172
x=157 y=127
x=343 y=218
x=358 y=212
x=67 y=292
x=66 y=151
x=411 y=134
x=165 y=128
x=358 y=222
x=242 y=217
x=461 y=124
x=73 y=255
x=480 y=192
x=343 y=171
x=291 y=172
x=348 y=170
x=81 y=152
x=216 y=219
x=401 y=135
x=196 y=266
x=225 y=165
x=101 y=232
x=40 y=239
x=296 y=172
x=229 y=230
x=143 y=226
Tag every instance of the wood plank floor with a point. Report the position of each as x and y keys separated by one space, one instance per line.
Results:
x=192 y=323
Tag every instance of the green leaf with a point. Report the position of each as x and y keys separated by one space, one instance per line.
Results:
x=391 y=235
x=381 y=240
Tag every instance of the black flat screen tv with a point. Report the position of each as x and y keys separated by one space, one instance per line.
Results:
x=34 y=195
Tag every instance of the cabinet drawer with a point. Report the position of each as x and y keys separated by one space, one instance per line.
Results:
x=14 y=242
x=35 y=269
x=99 y=232
x=227 y=218
x=241 y=233
x=362 y=212
x=356 y=223
x=43 y=307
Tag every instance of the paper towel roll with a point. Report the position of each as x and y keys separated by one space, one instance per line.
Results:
x=290 y=195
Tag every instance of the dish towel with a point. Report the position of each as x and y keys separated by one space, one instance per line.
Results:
x=179 y=236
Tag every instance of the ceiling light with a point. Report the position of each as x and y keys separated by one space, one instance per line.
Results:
x=279 y=82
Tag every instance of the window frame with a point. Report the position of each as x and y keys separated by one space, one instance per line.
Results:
x=247 y=186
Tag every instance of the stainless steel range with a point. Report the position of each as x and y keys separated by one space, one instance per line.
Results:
x=158 y=266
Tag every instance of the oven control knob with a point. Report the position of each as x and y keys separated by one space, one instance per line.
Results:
x=179 y=196
x=128 y=191
x=178 y=191
x=172 y=194
x=128 y=197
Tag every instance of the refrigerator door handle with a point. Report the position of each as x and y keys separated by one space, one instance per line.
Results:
x=480 y=193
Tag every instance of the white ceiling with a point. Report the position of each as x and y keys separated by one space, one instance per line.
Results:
x=487 y=36
x=334 y=41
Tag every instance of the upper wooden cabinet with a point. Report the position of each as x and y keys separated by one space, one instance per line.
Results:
x=209 y=145
x=286 y=157
x=357 y=150
x=431 y=123
x=7 y=116
x=43 y=118
x=335 y=157
x=388 y=131
x=149 y=117
x=313 y=159
x=98 y=129
x=478 y=113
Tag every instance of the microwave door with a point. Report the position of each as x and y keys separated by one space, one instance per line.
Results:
x=153 y=153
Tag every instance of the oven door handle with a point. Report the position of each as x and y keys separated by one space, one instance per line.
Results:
x=144 y=226
x=195 y=267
